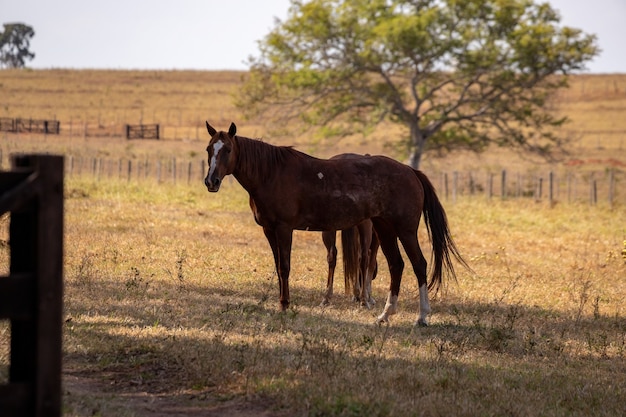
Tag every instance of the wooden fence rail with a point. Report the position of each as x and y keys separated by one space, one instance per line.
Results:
x=31 y=296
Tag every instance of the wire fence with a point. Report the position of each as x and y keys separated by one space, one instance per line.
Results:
x=571 y=186
x=590 y=181
x=593 y=187
x=169 y=170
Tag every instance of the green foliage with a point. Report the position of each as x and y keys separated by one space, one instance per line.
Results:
x=14 y=45
x=456 y=74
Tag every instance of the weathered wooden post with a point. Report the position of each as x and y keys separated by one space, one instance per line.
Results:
x=539 y=195
x=551 y=188
x=32 y=295
x=455 y=184
x=611 y=186
x=593 y=191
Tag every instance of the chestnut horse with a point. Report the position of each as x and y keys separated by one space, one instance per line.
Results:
x=290 y=190
x=360 y=246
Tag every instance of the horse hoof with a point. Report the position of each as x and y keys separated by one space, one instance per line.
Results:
x=324 y=303
x=382 y=320
x=421 y=323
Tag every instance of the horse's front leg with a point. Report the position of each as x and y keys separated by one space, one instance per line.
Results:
x=280 y=239
x=413 y=251
x=389 y=245
x=330 y=239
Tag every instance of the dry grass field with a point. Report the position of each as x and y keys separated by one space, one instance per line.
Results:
x=171 y=300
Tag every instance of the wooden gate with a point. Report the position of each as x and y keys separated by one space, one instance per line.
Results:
x=142 y=131
x=31 y=296
x=30 y=125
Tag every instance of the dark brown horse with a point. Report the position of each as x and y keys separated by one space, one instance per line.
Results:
x=290 y=190
x=360 y=246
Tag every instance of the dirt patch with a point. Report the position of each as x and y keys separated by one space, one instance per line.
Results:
x=85 y=395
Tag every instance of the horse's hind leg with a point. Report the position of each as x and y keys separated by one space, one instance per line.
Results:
x=350 y=243
x=372 y=264
x=389 y=245
x=280 y=240
x=413 y=251
x=365 y=278
x=329 y=238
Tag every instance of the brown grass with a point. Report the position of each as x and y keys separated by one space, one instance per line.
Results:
x=172 y=292
x=171 y=297
x=181 y=100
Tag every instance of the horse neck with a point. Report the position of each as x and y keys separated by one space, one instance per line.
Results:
x=257 y=162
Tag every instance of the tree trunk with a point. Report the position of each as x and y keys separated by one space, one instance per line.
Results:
x=417 y=145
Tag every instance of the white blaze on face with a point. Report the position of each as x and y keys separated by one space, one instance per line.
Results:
x=216 y=150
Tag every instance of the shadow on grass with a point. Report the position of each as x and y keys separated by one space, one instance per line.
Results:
x=199 y=346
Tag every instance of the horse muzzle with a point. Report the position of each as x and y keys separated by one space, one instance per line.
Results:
x=214 y=185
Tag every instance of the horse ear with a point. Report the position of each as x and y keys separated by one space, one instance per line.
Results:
x=210 y=129
x=232 y=130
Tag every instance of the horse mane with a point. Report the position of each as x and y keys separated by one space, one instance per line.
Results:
x=259 y=159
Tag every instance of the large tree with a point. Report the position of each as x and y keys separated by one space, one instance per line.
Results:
x=15 y=44
x=456 y=74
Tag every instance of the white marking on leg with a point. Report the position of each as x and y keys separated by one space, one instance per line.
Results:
x=424 y=306
x=216 y=149
x=327 y=297
x=391 y=308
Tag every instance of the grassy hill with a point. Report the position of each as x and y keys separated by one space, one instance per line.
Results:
x=181 y=100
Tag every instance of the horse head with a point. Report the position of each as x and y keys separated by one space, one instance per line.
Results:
x=222 y=156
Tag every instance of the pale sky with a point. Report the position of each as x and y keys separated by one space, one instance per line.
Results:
x=218 y=34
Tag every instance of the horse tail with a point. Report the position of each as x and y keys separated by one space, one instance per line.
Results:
x=350 y=244
x=443 y=245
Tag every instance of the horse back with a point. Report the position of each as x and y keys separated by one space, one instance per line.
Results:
x=345 y=192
